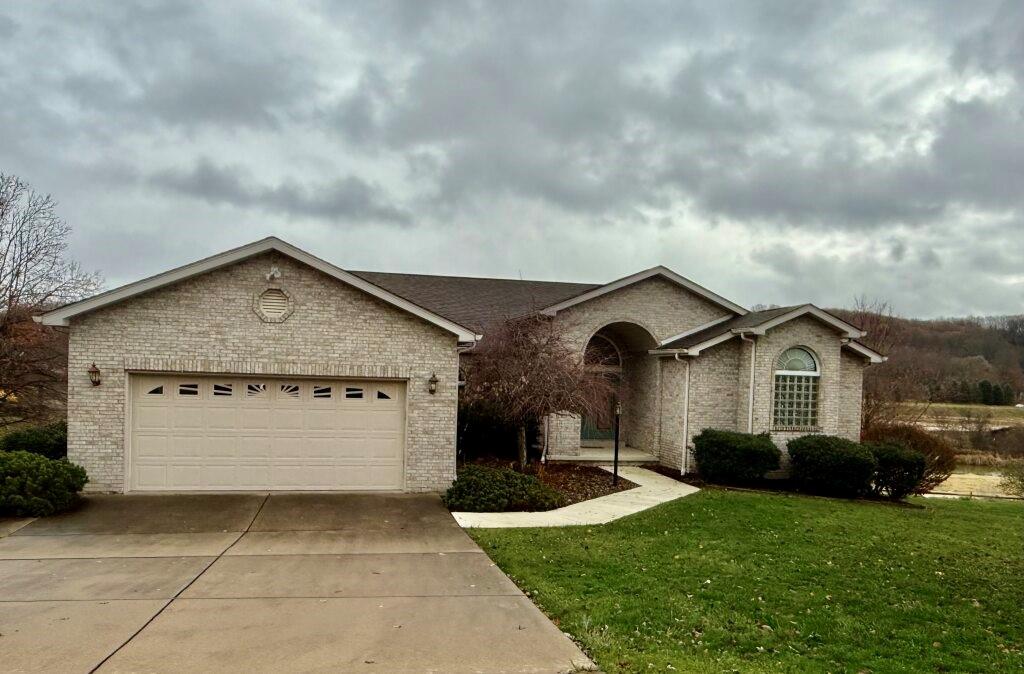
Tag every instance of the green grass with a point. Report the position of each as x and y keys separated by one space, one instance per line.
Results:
x=1000 y=414
x=743 y=581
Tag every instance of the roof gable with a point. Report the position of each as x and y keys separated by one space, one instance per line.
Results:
x=659 y=271
x=759 y=322
x=63 y=315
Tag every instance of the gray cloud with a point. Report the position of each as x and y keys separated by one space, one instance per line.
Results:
x=342 y=200
x=777 y=152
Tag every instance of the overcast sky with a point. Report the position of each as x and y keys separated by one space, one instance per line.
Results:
x=776 y=152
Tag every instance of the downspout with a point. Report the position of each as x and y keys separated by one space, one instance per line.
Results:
x=685 y=463
x=750 y=396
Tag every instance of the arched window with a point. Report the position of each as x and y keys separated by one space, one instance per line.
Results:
x=796 y=390
x=602 y=353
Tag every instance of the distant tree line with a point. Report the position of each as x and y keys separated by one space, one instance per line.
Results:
x=966 y=360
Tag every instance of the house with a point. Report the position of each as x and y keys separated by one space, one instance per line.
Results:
x=265 y=367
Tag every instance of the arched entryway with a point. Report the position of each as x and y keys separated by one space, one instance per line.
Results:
x=620 y=352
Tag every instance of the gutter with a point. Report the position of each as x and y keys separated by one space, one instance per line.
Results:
x=750 y=392
x=685 y=463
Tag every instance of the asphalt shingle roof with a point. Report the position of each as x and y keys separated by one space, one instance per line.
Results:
x=749 y=320
x=475 y=302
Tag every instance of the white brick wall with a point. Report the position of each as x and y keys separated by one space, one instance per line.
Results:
x=207 y=324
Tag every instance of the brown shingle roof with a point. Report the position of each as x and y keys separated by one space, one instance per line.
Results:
x=750 y=320
x=475 y=302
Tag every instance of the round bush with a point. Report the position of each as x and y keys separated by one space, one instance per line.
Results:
x=483 y=489
x=831 y=466
x=939 y=455
x=49 y=440
x=32 y=485
x=900 y=470
x=734 y=458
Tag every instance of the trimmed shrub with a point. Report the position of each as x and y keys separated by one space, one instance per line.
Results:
x=482 y=489
x=939 y=455
x=831 y=466
x=734 y=458
x=900 y=470
x=49 y=440
x=32 y=485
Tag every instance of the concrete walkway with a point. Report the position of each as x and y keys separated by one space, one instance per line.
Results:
x=653 y=489
x=265 y=583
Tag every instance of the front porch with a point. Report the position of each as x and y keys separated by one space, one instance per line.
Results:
x=605 y=454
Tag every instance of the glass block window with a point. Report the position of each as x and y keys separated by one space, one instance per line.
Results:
x=797 y=378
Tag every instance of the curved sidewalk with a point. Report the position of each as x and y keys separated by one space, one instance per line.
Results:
x=652 y=489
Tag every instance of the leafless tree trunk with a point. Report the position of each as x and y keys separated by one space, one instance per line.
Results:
x=35 y=276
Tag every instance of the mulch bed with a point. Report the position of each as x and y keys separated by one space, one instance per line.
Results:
x=578 y=482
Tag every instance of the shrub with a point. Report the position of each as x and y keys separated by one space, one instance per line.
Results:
x=832 y=466
x=939 y=455
x=734 y=458
x=49 y=440
x=1013 y=479
x=33 y=485
x=900 y=470
x=483 y=489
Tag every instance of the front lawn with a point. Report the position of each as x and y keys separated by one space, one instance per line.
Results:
x=745 y=581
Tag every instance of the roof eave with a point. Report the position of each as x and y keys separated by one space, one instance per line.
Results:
x=660 y=270
x=63 y=315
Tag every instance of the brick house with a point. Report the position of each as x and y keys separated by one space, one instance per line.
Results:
x=265 y=367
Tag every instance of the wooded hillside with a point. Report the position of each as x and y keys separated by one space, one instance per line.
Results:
x=962 y=360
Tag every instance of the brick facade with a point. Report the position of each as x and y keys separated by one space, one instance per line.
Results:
x=207 y=324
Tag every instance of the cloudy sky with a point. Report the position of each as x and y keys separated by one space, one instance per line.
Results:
x=777 y=152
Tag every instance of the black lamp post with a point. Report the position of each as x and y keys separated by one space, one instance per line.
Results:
x=615 y=460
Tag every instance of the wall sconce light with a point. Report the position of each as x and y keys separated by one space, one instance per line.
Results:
x=94 y=375
x=432 y=384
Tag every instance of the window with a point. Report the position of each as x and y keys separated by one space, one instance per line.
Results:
x=383 y=396
x=188 y=389
x=156 y=391
x=255 y=390
x=321 y=391
x=223 y=389
x=290 y=391
x=353 y=392
x=796 y=390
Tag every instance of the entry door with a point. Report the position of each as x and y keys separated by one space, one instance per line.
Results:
x=254 y=433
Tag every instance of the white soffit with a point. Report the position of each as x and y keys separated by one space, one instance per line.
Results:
x=662 y=271
x=63 y=315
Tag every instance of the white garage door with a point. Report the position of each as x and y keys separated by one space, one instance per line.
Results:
x=220 y=433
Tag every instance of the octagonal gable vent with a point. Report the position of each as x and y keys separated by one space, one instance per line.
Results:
x=273 y=305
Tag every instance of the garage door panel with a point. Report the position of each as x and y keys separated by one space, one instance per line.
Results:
x=266 y=433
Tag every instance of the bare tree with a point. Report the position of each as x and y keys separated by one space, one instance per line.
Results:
x=35 y=276
x=883 y=384
x=526 y=370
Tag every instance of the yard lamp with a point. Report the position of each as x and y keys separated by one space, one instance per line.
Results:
x=615 y=459
x=94 y=374
x=432 y=384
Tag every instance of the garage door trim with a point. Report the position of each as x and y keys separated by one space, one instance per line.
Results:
x=135 y=379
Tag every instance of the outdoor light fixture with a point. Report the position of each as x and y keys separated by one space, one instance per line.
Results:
x=432 y=384
x=94 y=374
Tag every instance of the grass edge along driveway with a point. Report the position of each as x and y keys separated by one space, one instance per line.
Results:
x=746 y=581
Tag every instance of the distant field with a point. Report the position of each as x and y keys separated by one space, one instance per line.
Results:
x=946 y=412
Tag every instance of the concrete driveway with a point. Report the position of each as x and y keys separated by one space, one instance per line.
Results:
x=256 y=582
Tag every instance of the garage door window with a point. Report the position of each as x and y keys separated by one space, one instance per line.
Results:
x=290 y=391
x=156 y=391
x=188 y=389
x=223 y=389
x=322 y=392
x=255 y=390
x=383 y=396
x=352 y=392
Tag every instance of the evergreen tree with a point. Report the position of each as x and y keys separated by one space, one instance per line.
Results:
x=997 y=395
x=1009 y=397
x=985 y=392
